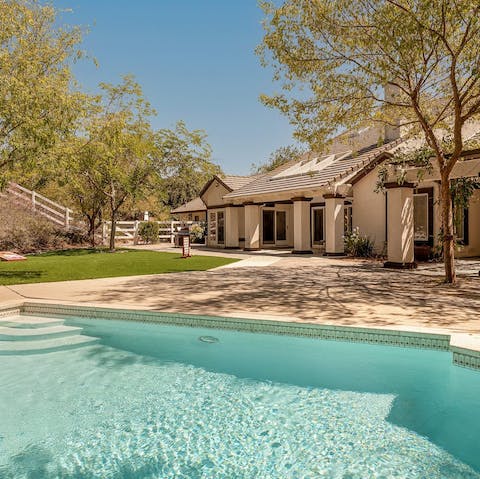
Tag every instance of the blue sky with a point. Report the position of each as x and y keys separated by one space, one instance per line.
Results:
x=195 y=61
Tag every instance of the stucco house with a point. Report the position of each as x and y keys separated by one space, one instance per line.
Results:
x=194 y=210
x=309 y=204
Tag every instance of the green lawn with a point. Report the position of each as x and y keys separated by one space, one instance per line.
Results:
x=87 y=264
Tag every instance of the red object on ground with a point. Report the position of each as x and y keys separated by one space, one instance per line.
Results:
x=10 y=256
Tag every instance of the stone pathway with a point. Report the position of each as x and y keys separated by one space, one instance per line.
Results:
x=313 y=289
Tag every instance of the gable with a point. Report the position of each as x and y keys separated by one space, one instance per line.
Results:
x=213 y=193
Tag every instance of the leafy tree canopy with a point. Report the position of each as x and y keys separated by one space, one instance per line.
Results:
x=334 y=58
x=38 y=104
x=184 y=163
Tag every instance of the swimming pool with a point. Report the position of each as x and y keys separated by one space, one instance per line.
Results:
x=154 y=401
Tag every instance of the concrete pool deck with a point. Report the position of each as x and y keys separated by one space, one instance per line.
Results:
x=291 y=288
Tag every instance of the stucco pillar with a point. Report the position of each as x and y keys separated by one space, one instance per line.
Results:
x=302 y=243
x=334 y=225
x=400 y=240
x=252 y=227
x=231 y=227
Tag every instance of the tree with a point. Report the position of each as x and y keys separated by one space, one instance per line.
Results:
x=334 y=56
x=116 y=159
x=184 y=161
x=38 y=107
x=279 y=157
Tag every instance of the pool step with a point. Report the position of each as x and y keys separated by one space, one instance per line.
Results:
x=21 y=321
x=45 y=345
x=30 y=334
x=23 y=334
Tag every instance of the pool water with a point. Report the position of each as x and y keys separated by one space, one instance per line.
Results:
x=155 y=401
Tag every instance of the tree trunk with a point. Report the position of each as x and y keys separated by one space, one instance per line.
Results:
x=113 y=227
x=447 y=228
x=91 y=230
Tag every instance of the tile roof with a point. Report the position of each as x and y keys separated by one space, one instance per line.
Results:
x=322 y=172
x=194 y=205
x=235 y=182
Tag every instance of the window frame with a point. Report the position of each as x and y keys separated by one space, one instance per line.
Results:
x=314 y=209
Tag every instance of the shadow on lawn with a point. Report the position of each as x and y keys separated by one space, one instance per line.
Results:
x=21 y=274
x=73 y=252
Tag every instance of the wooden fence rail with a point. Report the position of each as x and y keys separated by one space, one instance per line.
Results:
x=54 y=212
x=128 y=230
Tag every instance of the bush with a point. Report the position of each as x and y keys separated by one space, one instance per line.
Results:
x=148 y=232
x=197 y=233
x=358 y=245
x=25 y=232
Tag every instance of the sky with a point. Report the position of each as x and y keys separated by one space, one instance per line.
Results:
x=195 y=61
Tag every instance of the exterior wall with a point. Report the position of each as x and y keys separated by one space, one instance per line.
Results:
x=231 y=227
x=241 y=226
x=369 y=210
x=214 y=195
x=302 y=239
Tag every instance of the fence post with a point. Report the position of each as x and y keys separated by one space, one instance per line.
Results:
x=67 y=218
x=104 y=232
x=34 y=202
x=172 y=233
x=135 y=232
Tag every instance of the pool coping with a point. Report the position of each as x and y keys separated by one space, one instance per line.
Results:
x=465 y=347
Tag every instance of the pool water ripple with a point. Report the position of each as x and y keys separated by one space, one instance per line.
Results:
x=68 y=415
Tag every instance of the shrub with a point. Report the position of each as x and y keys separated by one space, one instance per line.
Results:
x=358 y=245
x=197 y=233
x=25 y=232
x=148 y=231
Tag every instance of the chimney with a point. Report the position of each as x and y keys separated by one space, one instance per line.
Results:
x=392 y=94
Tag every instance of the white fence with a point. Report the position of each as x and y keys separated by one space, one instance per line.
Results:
x=128 y=230
x=56 y=213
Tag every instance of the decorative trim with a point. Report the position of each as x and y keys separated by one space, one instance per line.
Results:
x=407 y=339
x=395 y=265
x=328 y=332
x=394 y=184
x=225 y=205
x=467 y=358
x=301 y=198
x=329 y=196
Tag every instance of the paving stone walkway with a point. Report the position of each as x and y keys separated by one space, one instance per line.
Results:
x=314 y=289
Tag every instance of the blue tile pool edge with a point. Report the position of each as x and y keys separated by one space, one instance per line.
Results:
x=412 y=339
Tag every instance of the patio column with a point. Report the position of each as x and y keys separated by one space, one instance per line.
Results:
x=334 y=224
x=400 y=240
x=252 y=227
x=302 y=243
x=231 y=227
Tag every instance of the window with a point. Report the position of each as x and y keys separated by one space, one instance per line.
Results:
x=281 y=225
x=268 y=226
x=460 y=224
x=347 y=223
x=197 y=218
x=420 y=216
x=212 y=227
x=318 y=225
x=220 y=227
